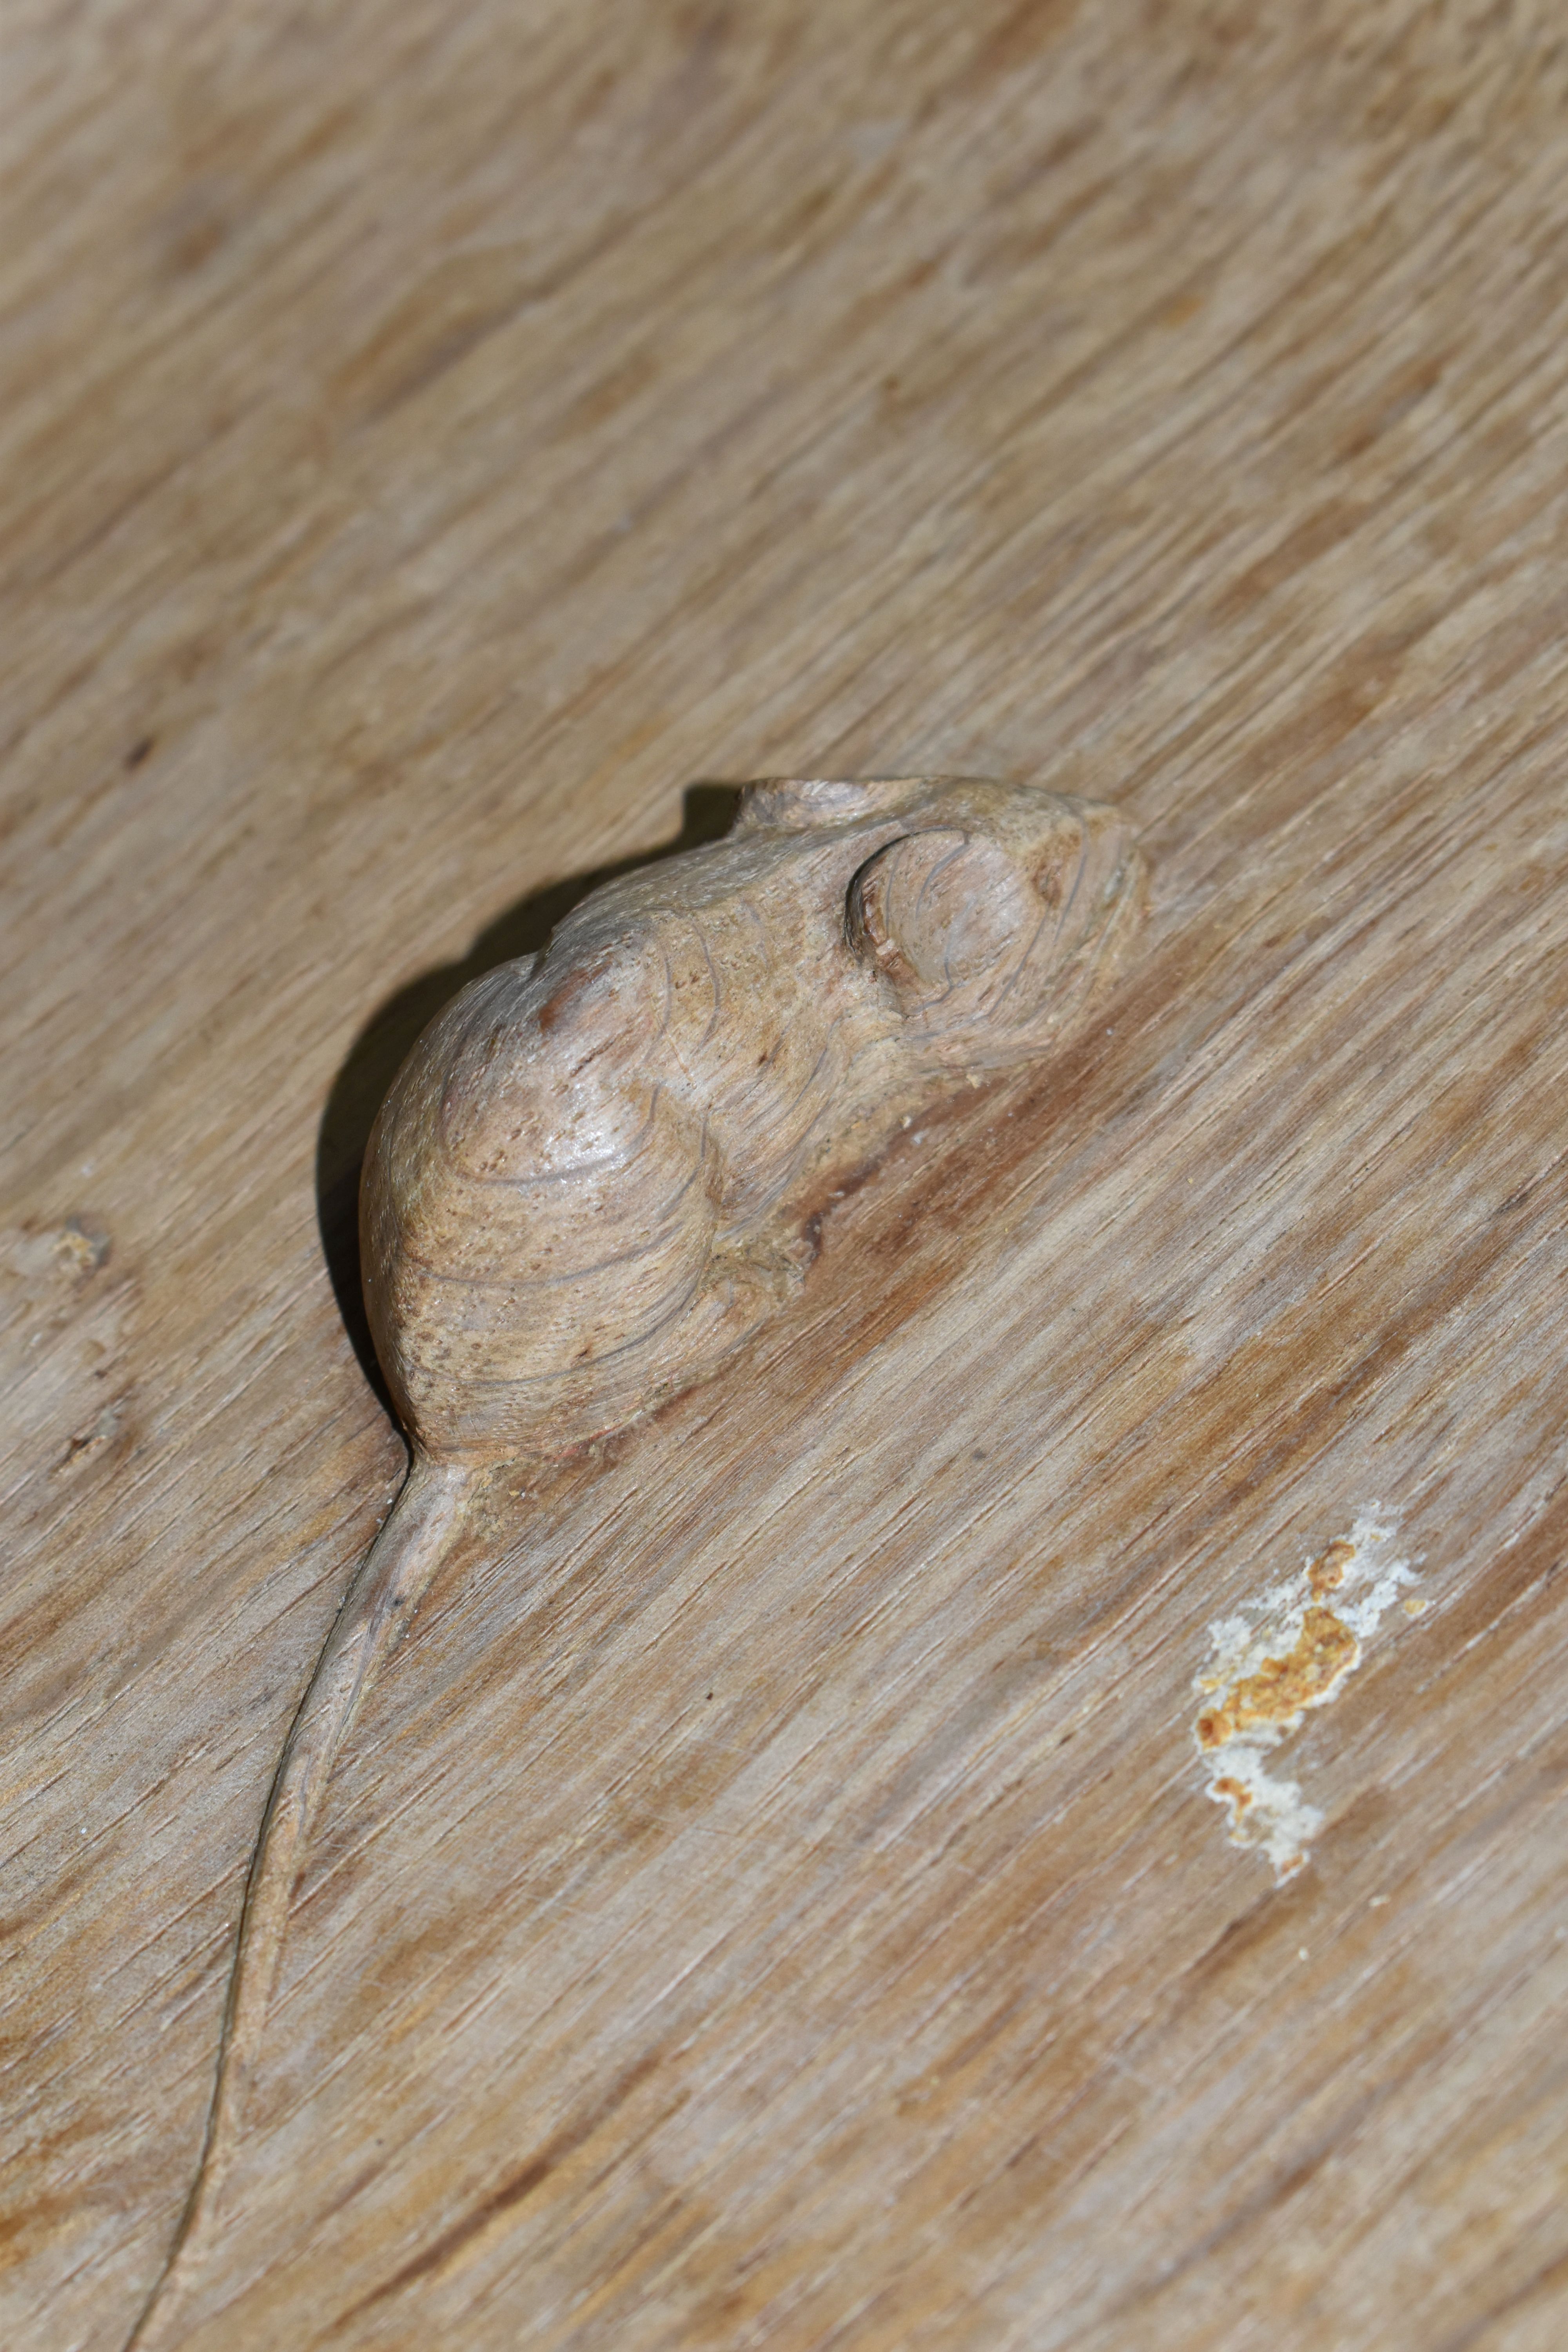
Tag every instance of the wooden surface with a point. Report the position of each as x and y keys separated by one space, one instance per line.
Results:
x=774 y=1895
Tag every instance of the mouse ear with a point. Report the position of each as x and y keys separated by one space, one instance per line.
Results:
x=802 y=803
x=938 y=911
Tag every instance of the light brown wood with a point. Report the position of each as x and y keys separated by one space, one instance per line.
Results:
x=774 y=1894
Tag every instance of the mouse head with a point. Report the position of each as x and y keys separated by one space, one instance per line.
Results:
x=979 y=910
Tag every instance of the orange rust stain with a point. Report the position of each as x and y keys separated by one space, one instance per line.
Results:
x=1327 y=1572
x=1236 y=1791
x=1282 y=1687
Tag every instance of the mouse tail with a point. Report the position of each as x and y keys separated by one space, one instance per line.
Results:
x=394 y=1572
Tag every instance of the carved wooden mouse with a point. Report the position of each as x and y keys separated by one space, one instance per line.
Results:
x=589 y=1184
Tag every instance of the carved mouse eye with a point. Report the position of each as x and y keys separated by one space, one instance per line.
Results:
x=934 y=909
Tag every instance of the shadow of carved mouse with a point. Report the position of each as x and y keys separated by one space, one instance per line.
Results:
x=590 y=1180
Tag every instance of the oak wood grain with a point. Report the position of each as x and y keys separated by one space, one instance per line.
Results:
x=772 y=1896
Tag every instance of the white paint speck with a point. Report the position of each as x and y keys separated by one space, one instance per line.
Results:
x=1260 y=1666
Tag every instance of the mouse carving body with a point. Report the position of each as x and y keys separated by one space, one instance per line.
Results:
x=589 y=1183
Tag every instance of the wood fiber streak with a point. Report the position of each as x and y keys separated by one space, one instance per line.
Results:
x=770 y=1897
